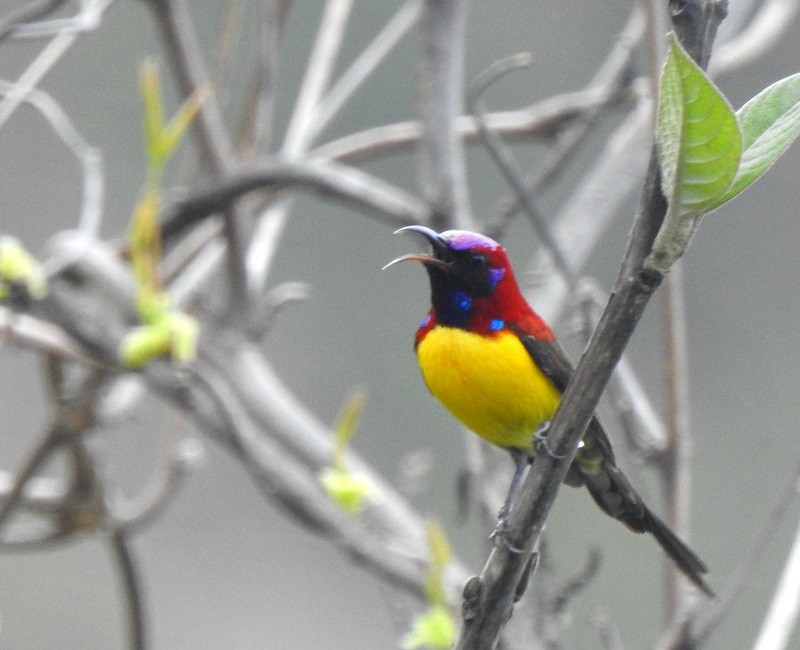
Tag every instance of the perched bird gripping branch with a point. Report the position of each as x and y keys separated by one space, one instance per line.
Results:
x=497 y=367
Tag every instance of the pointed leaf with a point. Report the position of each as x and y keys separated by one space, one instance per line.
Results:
x=144 y=343
x=346 y=426
x=173 y=132
x=145 y=244
x=699 y=146
x=770 y=122
x=184 y=336
x=350 y=491
x=150 y=89
x=698 y=136
x=440 y=556
x=435 y=629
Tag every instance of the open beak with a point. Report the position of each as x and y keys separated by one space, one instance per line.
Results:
x=438 y=243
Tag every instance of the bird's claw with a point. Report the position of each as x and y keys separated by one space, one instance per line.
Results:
x=540 y=442
x=500 y=534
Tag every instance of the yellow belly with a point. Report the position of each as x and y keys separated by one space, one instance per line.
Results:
x=490 y=384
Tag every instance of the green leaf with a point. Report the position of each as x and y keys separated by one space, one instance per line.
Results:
x=770 y=122
x=173 y=132
x=346 y=426
x=698 y=136
x=350 y=491
x=433 y=629
x=440 y=556
x=144 y=343
x=184 y=336
x=145 y=244
x=150 y=89
x=18 y=267
x=699 y=146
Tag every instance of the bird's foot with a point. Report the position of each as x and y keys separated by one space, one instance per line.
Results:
x=501 y=532
x=540 y=442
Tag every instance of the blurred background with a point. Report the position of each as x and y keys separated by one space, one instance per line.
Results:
x=223 y=568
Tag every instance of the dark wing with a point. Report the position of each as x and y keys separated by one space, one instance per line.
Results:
x=553 y=362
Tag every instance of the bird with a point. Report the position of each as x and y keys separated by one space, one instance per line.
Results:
x=497 y=367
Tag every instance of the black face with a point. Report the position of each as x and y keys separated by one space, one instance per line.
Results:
x=464 y=267
x=467 y=271
x=467 y=276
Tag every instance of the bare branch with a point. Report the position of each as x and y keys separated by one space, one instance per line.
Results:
x=635 y=285
x=695 y=630
x=611 y=82
x=763 y=31
x=440 y=79
x=619 y=169
x=129 y=574
x=25 y=14
x=641 y=424
x=675 y=462
x=541 y=120
x=299 y=134
x=41 y=335
x=301 y=128
x=505 y=163
x=778 y=626
x=373 y=55
x=363 y=191
x=89 y=157
x=185 y=455
x=215 y=142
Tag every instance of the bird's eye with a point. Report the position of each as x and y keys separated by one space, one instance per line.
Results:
x=478 y=262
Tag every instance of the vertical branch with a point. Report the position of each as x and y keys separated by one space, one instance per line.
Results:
x=32 y=464
x=129 y=574
x=181 y=40
x=781 y=619
x=370 y=58
x=318 y=73
x=443 y=172
x=269 y=41
x=500 y=579
x=214 y=140
x=300 y=132
x=675 y=462
x=655 y=29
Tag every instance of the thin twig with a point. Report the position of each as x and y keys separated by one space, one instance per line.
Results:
x=40 y=66
x=299 y=135
x=538 y=121
x=186 y=454
x=695 y=632
x=440 y=80
x=129 y=574
x=620 y=168
x=634 y=287
x=642 y=426
x=317 y=76
x=675 y=462
x=505 y=163
x=778 y=626
x=26 y=14
x=762 y=32
x=363 y=191
x=34 y=462
x=365 y=64
x=86 y=20
x=89 y=157
x=610 y=82
x=42 y=335
x=215 y=142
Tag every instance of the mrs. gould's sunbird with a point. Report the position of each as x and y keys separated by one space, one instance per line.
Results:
x=496 y=366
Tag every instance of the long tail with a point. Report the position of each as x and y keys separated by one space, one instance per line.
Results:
x=614 y=494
